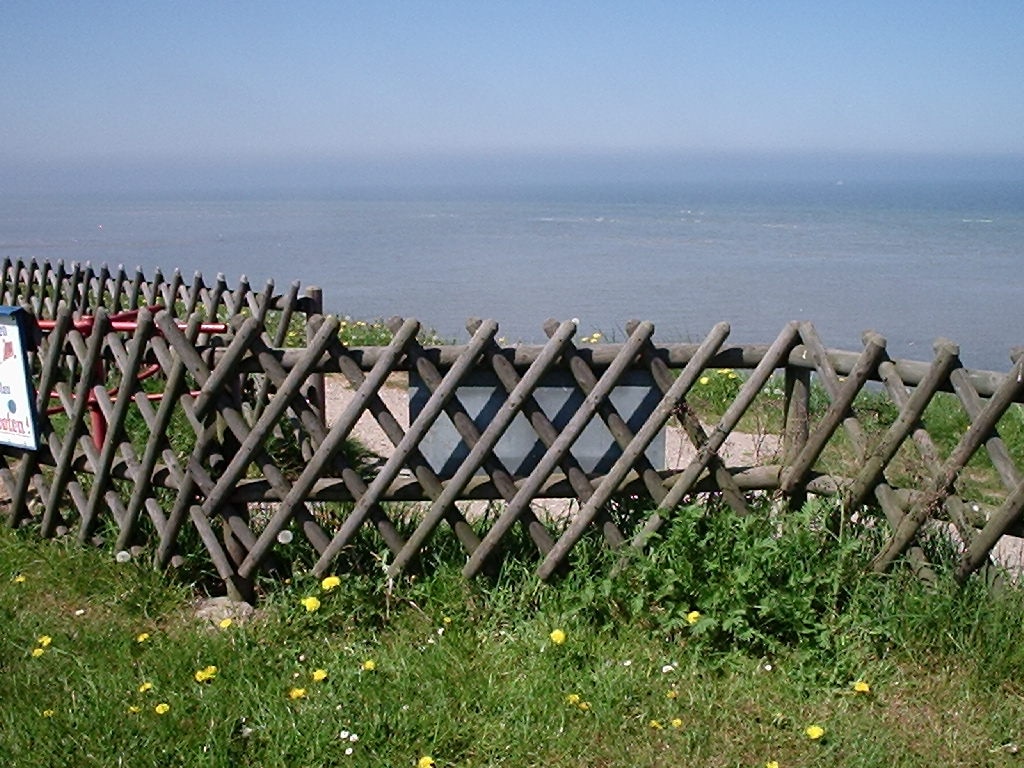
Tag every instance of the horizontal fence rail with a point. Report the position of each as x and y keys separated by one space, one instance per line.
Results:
x=179 y=418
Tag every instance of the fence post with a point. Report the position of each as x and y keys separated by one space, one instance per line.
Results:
x=239 y=589
x=796 y=426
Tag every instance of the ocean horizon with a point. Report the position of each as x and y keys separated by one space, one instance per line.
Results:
x=914 y=260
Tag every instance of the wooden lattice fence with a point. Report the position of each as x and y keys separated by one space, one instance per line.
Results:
x=211 y=406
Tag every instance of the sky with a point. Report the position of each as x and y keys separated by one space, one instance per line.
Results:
x=237 y=82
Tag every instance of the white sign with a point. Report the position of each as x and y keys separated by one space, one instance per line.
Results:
x=17 y=395
x=519 y=449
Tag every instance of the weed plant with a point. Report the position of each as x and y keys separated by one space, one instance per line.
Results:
x=714 y=391
x=376 y=333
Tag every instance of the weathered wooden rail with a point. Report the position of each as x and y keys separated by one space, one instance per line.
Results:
x=217 y=441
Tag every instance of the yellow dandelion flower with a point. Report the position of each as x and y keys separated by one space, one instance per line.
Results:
x=772 y=764
x=446 y=620
x=297 y=693
x=557 y=636
x=584 y=705
x=426 y=762
x=19 y=579
x=369 y=665
x=671 y=693
x=319 y=675
x=37 y=652
x=311 y=604
x=206 y=673
x=692 y=617
x=146 y=686
x=331 y=582
x=703 y=380
x=573 y=698
x=142 y=637
x=814 y=732
x=162 y=708
x=225 y=623
x=44 y=641
x=860 y=686
x=134 y=710
x=655 y=725
x=677 y=722
x=47 y=713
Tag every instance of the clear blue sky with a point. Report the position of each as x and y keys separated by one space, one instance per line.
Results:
x=145 y=80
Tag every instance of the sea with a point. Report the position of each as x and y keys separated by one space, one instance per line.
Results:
x=912 y=260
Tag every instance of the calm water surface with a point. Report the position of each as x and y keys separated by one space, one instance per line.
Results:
x=913 y=262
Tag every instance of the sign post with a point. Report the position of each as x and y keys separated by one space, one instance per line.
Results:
x=17 y=395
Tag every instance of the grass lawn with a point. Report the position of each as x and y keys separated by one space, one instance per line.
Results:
x=728 y=647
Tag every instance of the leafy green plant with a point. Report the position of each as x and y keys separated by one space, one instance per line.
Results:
x=715 y=391
x=377 y=333
x=875 y=410
x=758 y=582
